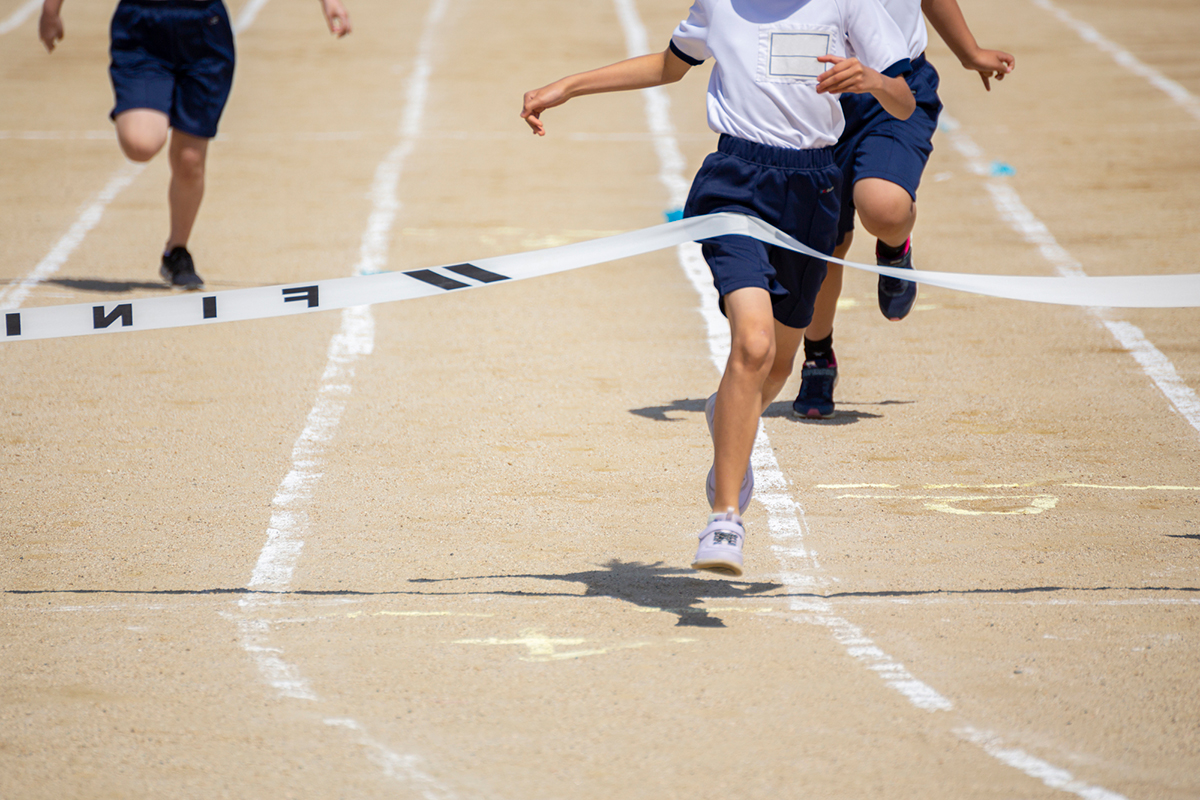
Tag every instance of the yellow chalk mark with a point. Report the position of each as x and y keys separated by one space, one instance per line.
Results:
x=543 y=648
x=857 y=486
x=976 y=485
x=847 y=302
x=946 y=505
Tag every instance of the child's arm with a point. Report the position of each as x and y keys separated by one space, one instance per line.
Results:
x=336 y=16
x=851 y=75
x=50 y=27
x=947 y=19
x=642 y=72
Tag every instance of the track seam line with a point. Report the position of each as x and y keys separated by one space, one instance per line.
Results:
x=787 y=522
x=288 y=525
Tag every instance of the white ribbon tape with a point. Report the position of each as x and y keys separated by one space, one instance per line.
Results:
x=200 y=308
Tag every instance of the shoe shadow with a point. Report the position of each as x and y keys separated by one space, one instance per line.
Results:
x=650 y=586
x=106 y=287
x=659 y=413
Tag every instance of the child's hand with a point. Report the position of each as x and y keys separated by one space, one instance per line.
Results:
x=538 y=101
x=991 y=64
x=846 y=75
x=50 y=30
x=337 y=17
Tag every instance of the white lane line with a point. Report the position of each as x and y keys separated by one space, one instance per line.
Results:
x=18 y=17
x=289 y=518
x=1008 y=203
x=1185 y=99
x=1052 y=776
x=248 y=14
x=15 y=294
x=801 y=571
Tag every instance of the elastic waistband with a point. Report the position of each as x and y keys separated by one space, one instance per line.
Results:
x=769 y=156
x=194 y=4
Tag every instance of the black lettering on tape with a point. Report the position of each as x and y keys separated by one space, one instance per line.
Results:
x=477 y=273
x=210 y=308
x=12 y=324
x=123 y=312
x=295 y=293
x=440 y=281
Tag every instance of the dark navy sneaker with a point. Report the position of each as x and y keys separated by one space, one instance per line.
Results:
x=817 y=381
x=178 y=270
x=896 y=297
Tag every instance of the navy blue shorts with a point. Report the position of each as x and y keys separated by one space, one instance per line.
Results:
x=798 y=192
x=877 y=145
x=173 y=56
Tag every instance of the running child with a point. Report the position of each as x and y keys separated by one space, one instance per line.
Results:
x=882 y=159
x=172 y=68
x=772 y=96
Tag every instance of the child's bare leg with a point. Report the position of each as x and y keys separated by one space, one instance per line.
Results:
x=825 y=308
x=142 y=132
x=187 y=154
x=787 y=344
x=885 y=209
x=740 y=395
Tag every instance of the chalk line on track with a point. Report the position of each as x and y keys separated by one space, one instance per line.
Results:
x=18 y=17
x=1126 y=59
x=289 y=518
x=787 y=522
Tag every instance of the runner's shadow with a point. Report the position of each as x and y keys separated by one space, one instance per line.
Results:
x=650 y=586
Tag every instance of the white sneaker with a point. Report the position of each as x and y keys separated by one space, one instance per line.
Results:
x=721 y=545
x=710 y=486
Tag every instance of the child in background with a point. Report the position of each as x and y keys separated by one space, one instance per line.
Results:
x=773 y=97
x=882 y=159
x=171 y=70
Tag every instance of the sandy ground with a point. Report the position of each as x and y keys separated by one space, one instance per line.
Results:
x=979 y=580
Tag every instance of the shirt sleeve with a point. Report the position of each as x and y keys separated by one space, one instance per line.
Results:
x=876 y=39
x=690 y=39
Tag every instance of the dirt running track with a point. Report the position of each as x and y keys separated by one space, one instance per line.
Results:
x=439 y=548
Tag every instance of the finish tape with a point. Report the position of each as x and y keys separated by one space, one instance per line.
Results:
x=200 y=308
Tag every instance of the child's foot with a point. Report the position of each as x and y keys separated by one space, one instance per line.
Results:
x=178 y=270
x=721 y=545
x=896 y=297
x=710 y=485
x=818 y=378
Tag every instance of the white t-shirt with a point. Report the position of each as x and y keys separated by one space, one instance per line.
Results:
x=908 y=17
x=763 y=87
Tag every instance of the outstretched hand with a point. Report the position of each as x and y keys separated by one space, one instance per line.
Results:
x=991 y=64
x=336 y=17
x=538 y=101
x=846 y=75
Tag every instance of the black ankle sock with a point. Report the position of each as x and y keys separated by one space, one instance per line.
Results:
x=822 y=348
x=885 y=250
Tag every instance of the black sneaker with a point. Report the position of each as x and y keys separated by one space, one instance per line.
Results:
x=817 y=381
x=896 y=297
x=178 y=270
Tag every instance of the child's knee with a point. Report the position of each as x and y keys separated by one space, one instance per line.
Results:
x=139 y=148
x=754 y=350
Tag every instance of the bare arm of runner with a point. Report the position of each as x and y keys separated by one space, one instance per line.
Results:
x=947 y=19
x=654 y=69
x=851 y=75
x=336 y=16
x=50 y=26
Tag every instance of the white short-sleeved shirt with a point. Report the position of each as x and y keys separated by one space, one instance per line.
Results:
x=763 y=87
x=908 y=18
